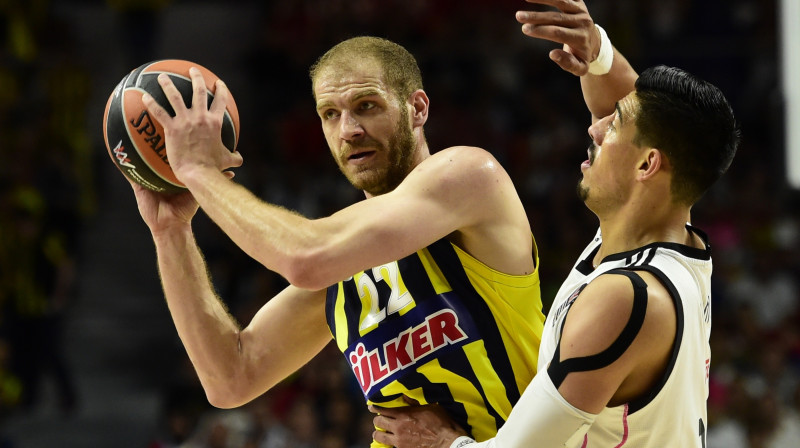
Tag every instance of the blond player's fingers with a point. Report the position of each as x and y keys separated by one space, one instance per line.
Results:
x=155 y=110
x=221 y=96
x=199 y=90
x=173 y=95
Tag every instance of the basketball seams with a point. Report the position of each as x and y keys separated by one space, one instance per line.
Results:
x=227 y=116
x=115 y=94
x=231 y=110
x=145 y=157
x=136 y=147
x=176 y=67
x=170 y=74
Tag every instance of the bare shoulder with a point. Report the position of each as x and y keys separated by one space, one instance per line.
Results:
x=458 y=172
x=466 y=163
x=471 y=194
x=471 y=158
x=469 y=154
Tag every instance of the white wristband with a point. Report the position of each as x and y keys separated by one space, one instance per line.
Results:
x=461 y=442
x=605 y=57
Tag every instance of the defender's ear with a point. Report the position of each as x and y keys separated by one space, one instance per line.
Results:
x=652 y=162
x=419 y=102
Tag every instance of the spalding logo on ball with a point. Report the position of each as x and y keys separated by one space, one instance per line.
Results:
x=135 y=140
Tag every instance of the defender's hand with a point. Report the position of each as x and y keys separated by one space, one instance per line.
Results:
x=415 y=427
x=571 y=25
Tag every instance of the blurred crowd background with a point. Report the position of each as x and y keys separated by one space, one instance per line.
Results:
x=88 y=355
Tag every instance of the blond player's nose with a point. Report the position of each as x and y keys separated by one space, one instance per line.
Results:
x=350 y=126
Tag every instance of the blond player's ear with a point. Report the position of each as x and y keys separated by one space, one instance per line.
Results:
x=420 y=105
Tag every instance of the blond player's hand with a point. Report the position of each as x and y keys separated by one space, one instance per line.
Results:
x=193 y=135
x=162 y=212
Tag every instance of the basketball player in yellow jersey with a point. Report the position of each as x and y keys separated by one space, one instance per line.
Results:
x=430 y=285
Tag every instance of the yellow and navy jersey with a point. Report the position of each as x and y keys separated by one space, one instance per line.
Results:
x=441 y=327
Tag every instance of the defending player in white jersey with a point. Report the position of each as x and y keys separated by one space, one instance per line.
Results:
x=625 y=353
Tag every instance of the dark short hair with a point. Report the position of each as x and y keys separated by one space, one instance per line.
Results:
x=400 y=70
x=691 y=122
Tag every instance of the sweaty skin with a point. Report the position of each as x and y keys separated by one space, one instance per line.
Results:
x=413 y=198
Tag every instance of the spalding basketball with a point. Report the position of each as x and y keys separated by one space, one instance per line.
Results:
x=135 y=140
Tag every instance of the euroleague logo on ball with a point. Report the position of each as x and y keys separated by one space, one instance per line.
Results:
x=135 y=141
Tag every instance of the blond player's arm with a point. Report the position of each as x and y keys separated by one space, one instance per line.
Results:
x=235 y=364
x=458 y=189
x=461 y=190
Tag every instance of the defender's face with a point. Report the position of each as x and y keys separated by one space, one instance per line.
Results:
x=367 y=128
x=609 y=171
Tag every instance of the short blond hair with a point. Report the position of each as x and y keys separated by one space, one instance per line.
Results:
x=400 y=70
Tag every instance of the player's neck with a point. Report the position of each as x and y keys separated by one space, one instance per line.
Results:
x=624 y=232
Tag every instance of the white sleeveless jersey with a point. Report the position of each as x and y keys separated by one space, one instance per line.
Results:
x=674 y=413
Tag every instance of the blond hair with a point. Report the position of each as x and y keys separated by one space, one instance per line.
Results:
x=400 y=70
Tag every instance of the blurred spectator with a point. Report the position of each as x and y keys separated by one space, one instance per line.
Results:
x=182 y=407
x=787 y=430
x=727 y=414
x=10 y=385
x=138 y=28
x=768 y=292
x=38 y=276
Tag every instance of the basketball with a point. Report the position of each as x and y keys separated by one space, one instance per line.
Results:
x=135 y=140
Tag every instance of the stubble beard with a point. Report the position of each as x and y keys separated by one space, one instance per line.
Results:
x=400 y=154
x=582 y=191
